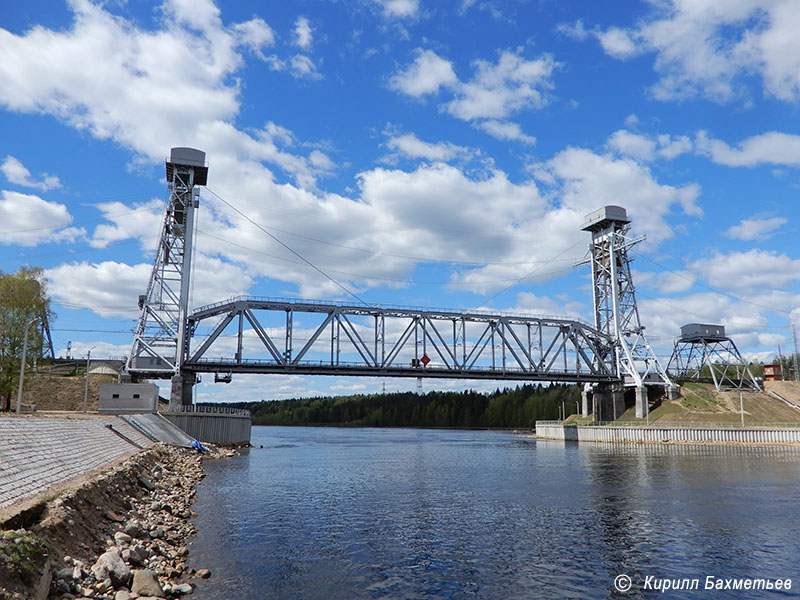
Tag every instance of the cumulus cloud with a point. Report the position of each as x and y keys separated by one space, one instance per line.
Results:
x=755 y=229
x=145 y=88
x=585 y=181
x=426 y=75
x=710 y=49
x=772 y=148
x=410 y=146
x=302 y=67
x=112 y=289
x=255 y=34
x=495 y=91
x=505 y=130
x=16 y=173
x=303 y=34
x=647 y=148
x=399 y=9
x=142 y=221
x=28 y=220
x=748 y=271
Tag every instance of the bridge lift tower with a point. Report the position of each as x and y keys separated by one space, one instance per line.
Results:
x=617 y=315
x=161 y=341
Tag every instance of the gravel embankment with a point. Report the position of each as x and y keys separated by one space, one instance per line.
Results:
x=121 y=535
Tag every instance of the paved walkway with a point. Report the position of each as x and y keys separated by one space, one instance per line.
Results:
x=38 y=453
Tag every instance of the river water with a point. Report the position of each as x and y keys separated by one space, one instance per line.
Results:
x=406 y=513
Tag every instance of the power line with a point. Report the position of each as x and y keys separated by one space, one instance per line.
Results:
x=374 y=277
x=528 y=276
x=709 y=287
x=403 y=256
x=300 y=256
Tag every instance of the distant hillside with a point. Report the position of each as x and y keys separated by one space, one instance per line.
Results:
x=519 y=407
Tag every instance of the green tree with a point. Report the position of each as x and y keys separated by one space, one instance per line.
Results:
x=22 y=298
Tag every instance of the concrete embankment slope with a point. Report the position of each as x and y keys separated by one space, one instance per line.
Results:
x=38 y=454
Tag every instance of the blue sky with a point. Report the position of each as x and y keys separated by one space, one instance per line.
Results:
x=422 y=153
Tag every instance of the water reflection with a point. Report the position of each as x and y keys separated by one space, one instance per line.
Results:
x=327 y=513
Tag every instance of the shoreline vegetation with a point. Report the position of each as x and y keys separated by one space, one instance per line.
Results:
x=120 y=534
x=510 y=408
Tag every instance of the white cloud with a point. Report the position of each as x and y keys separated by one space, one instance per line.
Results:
x=255 y=34
x=772 y=147
x=586 y=181
x=399 y=9
x=412 y=147
x=303 y=67
x=112 y=289
x=576 y=31
x=425 y=75
x=617 y=43
x=748 y=271
x=669 y=147
x=507 y=131
x=710 y=48
x=498 y=90
x=303 y=34
x=145 y=89
x=755 y=228
x=142 y=221
x=16 y=173
x=28 y=220
x=631 y=144
x=495 y=92
x=647 y=148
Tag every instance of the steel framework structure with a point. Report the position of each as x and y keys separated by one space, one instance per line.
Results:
x=346 y=339
x=726 y=365
x=615 y=311
x=161 y=337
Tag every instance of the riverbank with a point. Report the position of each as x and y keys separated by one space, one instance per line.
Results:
x=121 y=531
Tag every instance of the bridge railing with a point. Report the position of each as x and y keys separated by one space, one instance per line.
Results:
x=217 y=410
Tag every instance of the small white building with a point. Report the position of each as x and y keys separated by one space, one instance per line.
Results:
x=117 y=398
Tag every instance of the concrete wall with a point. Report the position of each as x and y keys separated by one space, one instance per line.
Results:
x=118 y=398
x=224 y=429
x=38 y=453
x=667 y=434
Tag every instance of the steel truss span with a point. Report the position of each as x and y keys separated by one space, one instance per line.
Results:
x=252 y=335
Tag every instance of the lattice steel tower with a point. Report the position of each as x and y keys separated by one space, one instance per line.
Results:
x=161 y=342
x=615 y=310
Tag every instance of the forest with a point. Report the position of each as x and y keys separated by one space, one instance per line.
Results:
x=518 y=407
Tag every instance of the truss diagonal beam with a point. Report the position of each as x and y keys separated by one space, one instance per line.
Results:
x=491 y=346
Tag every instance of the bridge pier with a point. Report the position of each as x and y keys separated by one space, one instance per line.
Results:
x=608 y=402
x=586 y=394
x=181 y=392
x=642 y=405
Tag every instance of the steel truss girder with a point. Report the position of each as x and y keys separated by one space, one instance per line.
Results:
x=726 y=365
x=464 y=345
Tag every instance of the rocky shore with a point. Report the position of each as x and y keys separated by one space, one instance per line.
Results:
x=120 y=535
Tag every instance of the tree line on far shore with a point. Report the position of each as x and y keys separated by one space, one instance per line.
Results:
x=518 y=407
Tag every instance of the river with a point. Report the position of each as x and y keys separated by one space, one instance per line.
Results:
x=407 y=513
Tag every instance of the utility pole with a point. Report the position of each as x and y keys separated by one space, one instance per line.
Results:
x=86 y=386
x=795 y=357
x=22 y=366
